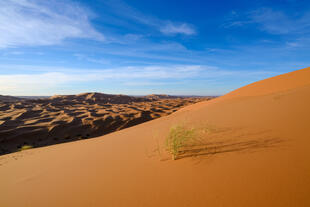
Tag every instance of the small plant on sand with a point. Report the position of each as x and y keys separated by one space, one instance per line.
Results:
x=25 y=147
x=179 y=137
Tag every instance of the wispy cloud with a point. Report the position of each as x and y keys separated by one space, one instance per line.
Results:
x=173 y=29
x=92 y=59
x=35 y=23
x=272 y=21
x=166 y=27
x=277 y=22
x=43 y=82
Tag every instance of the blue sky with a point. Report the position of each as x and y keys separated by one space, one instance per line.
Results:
x=182 y=47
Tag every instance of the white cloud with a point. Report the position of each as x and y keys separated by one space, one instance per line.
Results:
x=49 y=83
x=101 y=61
x=122 y=9
x=30 y=83
x=275 y=22
x=34 y=22
x=292 y=44
x=279 y=22
x=272 y=21
x=173 y=29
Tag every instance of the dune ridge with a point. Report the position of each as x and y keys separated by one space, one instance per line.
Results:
x=277 y=84
x=257 y=155
x=65 y=118
x=97 y=98
x=9 y=98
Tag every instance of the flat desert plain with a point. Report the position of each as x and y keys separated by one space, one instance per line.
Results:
x=251 y=148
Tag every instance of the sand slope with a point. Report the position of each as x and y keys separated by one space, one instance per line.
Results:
x=259 y=156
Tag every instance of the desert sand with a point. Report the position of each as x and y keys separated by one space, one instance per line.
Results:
x=255 y=152
x=65 y=118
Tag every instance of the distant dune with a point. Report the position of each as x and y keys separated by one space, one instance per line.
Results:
x=65 y=118
x=97 y=98
x=165 y=96
x=253 y=150
x=33 y=97
x=9 y=98
x=162 y=96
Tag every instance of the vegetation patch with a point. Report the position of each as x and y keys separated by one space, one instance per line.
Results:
x=183 y=142
x=25 y=147
x=180 y=138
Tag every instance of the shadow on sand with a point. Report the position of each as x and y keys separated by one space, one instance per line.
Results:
x=227 y=146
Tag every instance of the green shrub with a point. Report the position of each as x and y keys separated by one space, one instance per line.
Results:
x=178 y=138
x=25 y=147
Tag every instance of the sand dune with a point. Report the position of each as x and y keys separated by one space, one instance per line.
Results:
x=255 y=152
x=58 y=119
x=9 y=98
x=165 y=96
x=97 y=98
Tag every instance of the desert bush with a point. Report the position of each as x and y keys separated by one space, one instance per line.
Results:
x=178 y=138
x=25 y=147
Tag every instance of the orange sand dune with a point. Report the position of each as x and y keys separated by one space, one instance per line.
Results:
x=257 y=155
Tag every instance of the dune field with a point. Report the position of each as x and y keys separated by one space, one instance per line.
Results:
x=40 y=122
x=250 y=147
